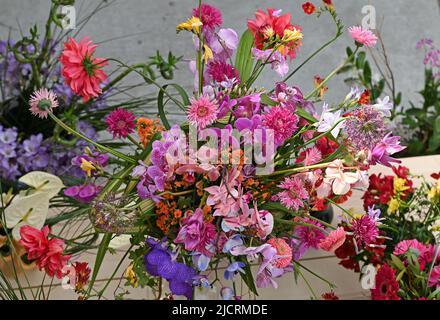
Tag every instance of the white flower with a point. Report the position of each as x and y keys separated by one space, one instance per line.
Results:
x=384 y=106
x=28 y=210
x=341 y=181
x=43 y=182
x=329 y=120
x=30 y=207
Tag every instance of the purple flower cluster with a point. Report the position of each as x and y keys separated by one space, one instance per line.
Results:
x=20 y=157
x=432 y=55
x=154 y=177
x=161 y=262
x=12 y=73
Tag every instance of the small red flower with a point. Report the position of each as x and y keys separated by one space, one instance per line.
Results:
x=435 y=176
x=330 y=296
x=309 y=8
x=82 y=271
x=328 y=3
x=365 y=98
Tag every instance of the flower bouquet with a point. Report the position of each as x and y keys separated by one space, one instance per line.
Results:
x=231 y=188
x=398 y=236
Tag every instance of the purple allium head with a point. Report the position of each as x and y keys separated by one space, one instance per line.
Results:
x=365 y=128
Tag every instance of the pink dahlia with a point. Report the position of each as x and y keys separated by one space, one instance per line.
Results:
x=284 y=252
x=211 y=16
x=83 y=71
x=121 y=123
x=283 y=123
x=365 y=230
x=363 y=36
x=309 y=235
x=53 y=262
x=42 y=102
x=202 y=112
x=334 y=240
x=222 y=71
x=48 y=254
x=295 y=193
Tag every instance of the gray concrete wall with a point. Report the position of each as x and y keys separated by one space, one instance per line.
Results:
x=151 y=24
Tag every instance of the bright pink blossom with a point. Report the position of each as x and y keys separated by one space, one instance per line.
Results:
x=363 y=36
x=282 y=121
x=195 y=234
x=294 y=193
x=121 y=123
x=202 y=112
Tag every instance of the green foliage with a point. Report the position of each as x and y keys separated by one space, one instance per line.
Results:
x=244 y=60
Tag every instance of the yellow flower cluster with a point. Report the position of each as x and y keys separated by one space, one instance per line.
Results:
x=434 y=193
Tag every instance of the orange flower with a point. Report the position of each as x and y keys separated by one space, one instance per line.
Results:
x=147 y=128
x=308 y=8
x=365 y=98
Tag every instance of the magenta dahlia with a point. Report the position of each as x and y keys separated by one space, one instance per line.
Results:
x=121 y=123
x=211 y=16
x=282 y=121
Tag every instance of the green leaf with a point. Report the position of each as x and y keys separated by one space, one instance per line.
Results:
x=360 y=61
x=397 y=262
x=244 y=60
x=265 y=99
x=248 y=278
x=398 y=99
x=161 y=104
x=367 y=73
x=304 y=114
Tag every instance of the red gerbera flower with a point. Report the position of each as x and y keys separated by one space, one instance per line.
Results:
x=83 y=71
x=386 y=284
x=308 y=8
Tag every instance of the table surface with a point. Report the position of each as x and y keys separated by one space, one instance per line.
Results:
x=323 y=263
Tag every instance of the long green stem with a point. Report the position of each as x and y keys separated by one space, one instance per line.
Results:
x=97 y=145
x=331 y=75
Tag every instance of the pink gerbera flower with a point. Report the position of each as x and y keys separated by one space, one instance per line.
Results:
x=83 y=71
x=202 y=112
x=121 y=123
x=334 y=240
x=211 y=16
x=42 y=102
x=282 y=121
x=363 y=36
x=295 y=193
